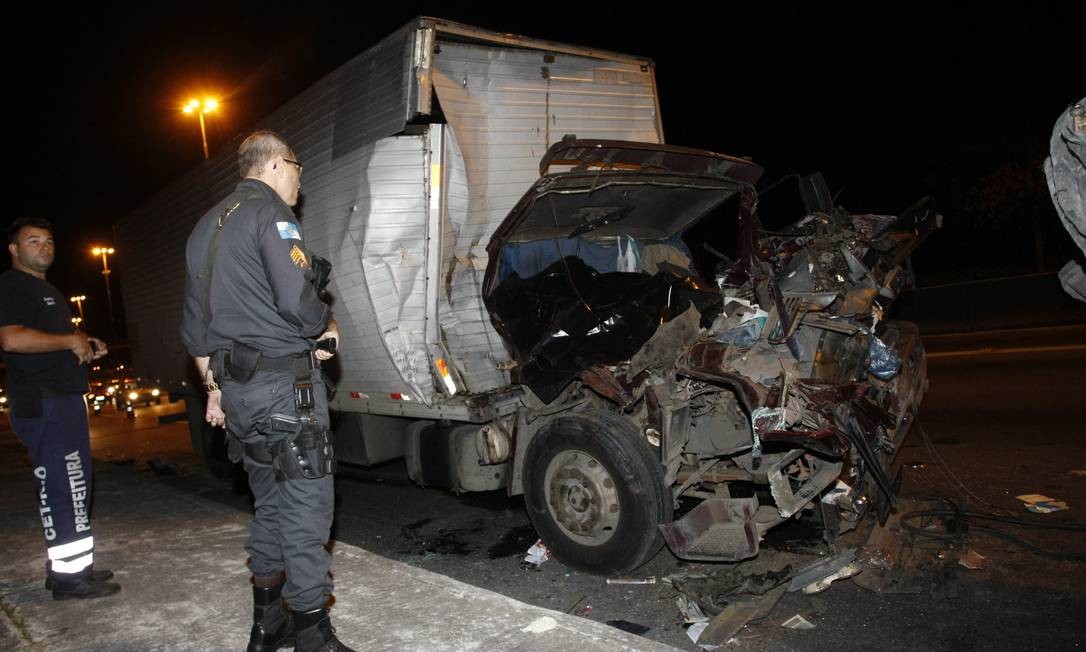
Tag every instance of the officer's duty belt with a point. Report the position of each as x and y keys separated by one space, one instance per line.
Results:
x=299 y=364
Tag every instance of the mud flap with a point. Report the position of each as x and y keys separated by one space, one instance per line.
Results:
x=719 y=529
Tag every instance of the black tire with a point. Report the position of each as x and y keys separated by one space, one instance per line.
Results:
x=595 y=493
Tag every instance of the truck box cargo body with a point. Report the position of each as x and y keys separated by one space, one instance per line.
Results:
x=534 y=293
x=414 y=152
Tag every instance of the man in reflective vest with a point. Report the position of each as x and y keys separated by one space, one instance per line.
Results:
x=46 y=381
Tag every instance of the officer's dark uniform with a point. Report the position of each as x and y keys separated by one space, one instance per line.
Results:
x=48 y=413
x=252 y=307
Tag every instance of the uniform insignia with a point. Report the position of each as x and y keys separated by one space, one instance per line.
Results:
x=297 y=256
x=49 y=301
x=288 y=231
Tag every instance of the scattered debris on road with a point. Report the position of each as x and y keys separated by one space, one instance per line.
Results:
x=798 y=622
x=973 y=560
x=627 y=626
x=632 y=580
x=1041 y=504
x=818 y=575
x=538 y=553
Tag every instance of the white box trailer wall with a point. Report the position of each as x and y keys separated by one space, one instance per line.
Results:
x=414 y=152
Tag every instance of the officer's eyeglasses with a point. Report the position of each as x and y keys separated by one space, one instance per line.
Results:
x=287 y=160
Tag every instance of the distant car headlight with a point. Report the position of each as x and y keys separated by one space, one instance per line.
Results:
x=3 y=399
x=111 y=389
x=155 y=392
x=99 y=399
x=133 y=396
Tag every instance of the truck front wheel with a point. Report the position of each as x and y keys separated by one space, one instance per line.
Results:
x=595 y=494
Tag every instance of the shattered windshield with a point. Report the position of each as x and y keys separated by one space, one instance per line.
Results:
x=597 y=264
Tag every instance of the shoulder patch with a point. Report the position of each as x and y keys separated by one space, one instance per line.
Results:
x=297 y=256
x=288 y=231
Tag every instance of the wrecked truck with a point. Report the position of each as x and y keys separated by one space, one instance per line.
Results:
x=557 y=331
x=774 y=383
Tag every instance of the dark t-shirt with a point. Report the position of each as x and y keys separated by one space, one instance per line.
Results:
x=29 y=301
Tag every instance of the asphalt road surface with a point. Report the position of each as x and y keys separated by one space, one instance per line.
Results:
x=1005 y=416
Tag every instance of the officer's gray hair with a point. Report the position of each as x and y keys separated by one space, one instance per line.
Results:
x=259 y=149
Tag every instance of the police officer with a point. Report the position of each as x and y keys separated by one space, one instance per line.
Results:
x=46 y=381
x=257 y=329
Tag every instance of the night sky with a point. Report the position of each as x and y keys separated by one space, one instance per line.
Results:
x=891 y=102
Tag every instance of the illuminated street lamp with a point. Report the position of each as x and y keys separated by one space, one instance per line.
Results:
x=200 y=108
x=78 y=301
x=78 y=321
x=103 y=252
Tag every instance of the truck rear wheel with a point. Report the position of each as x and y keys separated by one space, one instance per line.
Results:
x=595 y=493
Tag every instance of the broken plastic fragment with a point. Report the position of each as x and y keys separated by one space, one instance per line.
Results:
x=632 y=580
x=973 y=560
x=883 y=362
x=603 y=327
x=798 y=622
x=1040 y=504
x=740 y=322
x=538 y=553
x=818 y=575
x=840 y=490
x=690 y=610
x=694 y=631
x=821 y=585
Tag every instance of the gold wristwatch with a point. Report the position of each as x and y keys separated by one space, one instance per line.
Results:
x=211 y=386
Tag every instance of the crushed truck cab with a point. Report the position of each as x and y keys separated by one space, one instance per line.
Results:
x=755 y=392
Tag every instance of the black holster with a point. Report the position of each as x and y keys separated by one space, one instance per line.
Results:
x=306 y=452
x=242 y=362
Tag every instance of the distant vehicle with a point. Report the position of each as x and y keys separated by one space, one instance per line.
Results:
x=138 y=392
x=100 y=389
x=97 y=397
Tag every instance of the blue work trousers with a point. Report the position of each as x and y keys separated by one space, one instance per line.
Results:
x=59 y=446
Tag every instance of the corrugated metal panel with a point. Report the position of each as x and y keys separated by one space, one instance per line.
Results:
x=374 y=92
x=370 y=222
x=505 y=108
x=474 y=347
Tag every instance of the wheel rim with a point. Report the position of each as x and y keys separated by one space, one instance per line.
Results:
x=582 y=497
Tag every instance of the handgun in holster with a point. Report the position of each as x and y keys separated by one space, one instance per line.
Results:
x=306 y=452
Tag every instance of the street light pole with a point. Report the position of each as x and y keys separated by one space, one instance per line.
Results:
x=200 y=108
x=78 y=301
x=203 y=135
x=103 y=251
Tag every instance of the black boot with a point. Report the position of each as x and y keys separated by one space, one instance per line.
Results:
x=315 y=632
x=83 y=588
x=95 y=576
x=272 y=628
